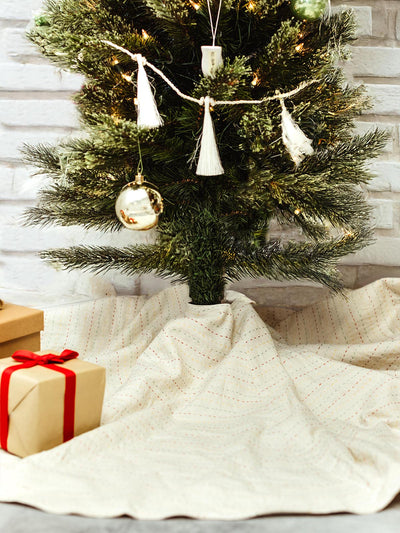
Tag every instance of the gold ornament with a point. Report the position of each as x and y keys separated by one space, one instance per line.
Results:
x=138 y=206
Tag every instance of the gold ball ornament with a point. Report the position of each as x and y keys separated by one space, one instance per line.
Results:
x=308 y=9
x=138 y=206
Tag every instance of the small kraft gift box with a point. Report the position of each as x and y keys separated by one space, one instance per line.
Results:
x=20 y=328
x=47 y=399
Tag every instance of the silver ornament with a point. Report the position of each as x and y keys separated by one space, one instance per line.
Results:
x=138 y=205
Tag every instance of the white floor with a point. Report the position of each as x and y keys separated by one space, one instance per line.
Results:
x=16 y=518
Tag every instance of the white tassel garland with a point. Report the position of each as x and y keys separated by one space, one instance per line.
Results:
x=209 y=163
x=148 y=115
x=296 y=142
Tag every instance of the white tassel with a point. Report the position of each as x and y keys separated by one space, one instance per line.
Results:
x=148 y=115
x=296 y=142
x=209 y=163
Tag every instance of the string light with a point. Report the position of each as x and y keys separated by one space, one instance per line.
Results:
x=251 y=5
x=299 y=47
x=194 y=5
x=115 y=61
x=145 y=35
x=297 y=211
x=91 y=4
x=255 y=80
x=127 y=77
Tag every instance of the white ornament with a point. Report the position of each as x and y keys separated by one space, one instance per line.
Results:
x=209 y=163
x=295 y=140
x=211 y=60
x=148 y=115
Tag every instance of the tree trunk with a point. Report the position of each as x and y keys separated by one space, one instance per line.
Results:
x=207 y=288
x=206 y=277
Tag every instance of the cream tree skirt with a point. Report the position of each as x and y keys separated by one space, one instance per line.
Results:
x=210 y=413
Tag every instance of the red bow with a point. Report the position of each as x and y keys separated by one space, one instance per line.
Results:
x=25 y=355
x=51 y=361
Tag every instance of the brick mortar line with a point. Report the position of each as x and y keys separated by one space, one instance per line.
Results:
x=16 y=201
x=21 y=94
x=381 y=119
x=15 y=22
x=22 y=253
x=384 y=4
x=376 y=80
x=373 y=41
x=13 y=166
x=39 y=128
x=11 y=161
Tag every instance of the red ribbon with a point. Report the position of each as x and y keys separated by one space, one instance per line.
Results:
x=51 y=361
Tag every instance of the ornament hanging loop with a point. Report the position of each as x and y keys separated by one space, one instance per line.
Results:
x=214 y=27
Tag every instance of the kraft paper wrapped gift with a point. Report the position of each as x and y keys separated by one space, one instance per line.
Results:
x=39 y=409
x=19 y=329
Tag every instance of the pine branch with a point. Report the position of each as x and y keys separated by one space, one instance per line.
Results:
x=77 y=216
x=316 y=262
x=139 y=259
x=44 y=157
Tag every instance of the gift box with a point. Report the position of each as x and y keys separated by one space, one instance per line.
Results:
x=19 y=329
x=46 y=399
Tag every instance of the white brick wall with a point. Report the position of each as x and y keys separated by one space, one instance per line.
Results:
x=35 y=106
x=376 y=62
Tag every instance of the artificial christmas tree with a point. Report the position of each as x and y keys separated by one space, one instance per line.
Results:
x=264 y=132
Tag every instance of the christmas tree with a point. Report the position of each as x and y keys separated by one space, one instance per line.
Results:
x=290 y=157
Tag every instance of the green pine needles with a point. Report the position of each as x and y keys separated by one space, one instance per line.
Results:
x=213 y=229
